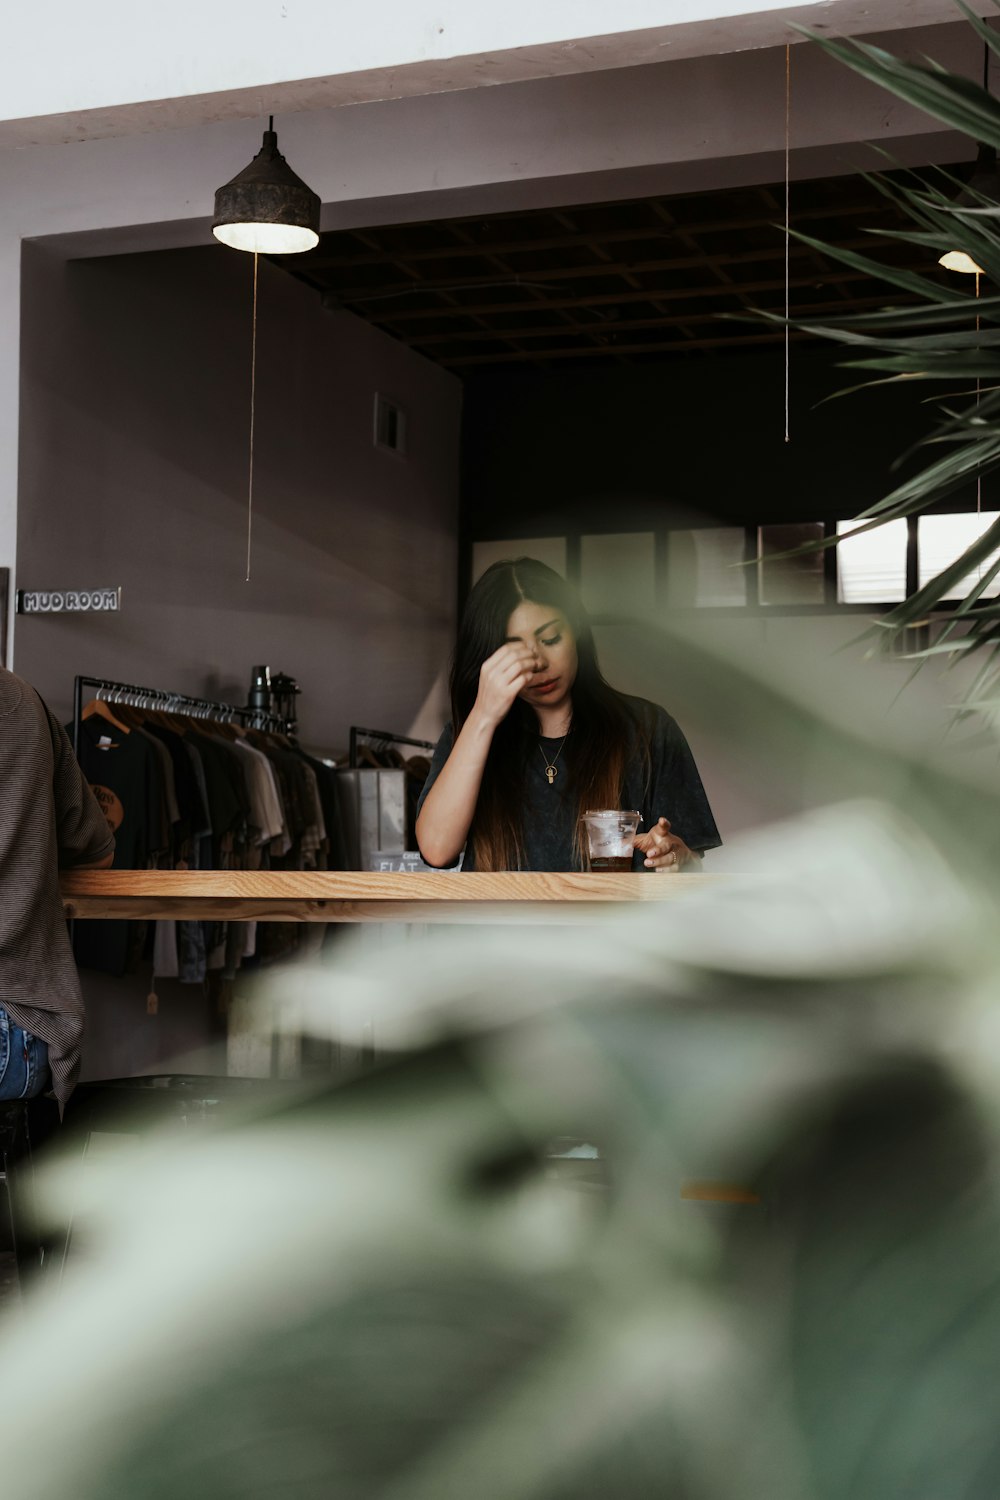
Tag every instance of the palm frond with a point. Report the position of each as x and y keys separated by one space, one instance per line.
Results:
x=948 y=97
x=918 y=315
x=943 y=336
x=907 y=280
x=925 y=599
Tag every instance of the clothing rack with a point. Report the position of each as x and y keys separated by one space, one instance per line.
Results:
x=382 y=737
x=157 y=698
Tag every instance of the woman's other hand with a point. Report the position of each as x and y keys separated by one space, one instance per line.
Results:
x=501 y=677
x=665 y=852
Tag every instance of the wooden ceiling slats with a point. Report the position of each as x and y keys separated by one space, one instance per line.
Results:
x=653 y=231
x=559 y=284
x=675 y=347
x=360 y=295
x=585 y=330
x=603 y=299
x=826 y=308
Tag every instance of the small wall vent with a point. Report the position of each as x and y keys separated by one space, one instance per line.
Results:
x=390 y=425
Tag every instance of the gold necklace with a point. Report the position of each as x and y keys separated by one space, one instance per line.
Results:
x=550 y=765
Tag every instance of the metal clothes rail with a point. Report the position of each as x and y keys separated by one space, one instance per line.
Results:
x=381 y=737
x=166 y=702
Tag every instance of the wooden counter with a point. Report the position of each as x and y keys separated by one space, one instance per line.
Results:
x=349 y=896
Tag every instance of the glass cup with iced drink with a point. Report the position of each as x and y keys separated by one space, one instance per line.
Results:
x=608 y=836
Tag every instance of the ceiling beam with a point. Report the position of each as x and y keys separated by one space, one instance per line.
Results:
x=834 y=308
x=877 y=207
x=604 y=299
x=676 y=346
x=363 y=296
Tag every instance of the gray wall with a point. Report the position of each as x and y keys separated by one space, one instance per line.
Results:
x=668 y=443
x=134 y=421
x=134 y=410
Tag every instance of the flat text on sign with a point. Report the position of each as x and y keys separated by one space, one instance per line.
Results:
x=67 y=601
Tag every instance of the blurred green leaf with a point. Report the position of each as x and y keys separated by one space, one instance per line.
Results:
x=943 y=336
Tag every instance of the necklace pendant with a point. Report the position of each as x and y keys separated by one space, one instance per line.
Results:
x=550 y=765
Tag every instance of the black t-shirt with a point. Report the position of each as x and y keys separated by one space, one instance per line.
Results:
x=228 y=801
x=190 y=804
x=670 y=788
x=125 y=777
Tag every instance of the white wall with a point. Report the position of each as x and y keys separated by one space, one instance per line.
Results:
x=134 y=472
x=126 y=66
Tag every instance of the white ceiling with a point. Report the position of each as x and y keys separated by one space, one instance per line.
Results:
x=73 y=73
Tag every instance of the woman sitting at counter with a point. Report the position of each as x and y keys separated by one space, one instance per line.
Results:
x=538 y=737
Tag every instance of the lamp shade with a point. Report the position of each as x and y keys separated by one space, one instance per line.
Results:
x=984 y=183
x=267 y=208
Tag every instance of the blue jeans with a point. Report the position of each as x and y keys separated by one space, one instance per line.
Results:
x=24 y=1061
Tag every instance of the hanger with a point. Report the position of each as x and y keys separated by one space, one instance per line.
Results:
x=263 y=738
x=129 y=716
x=171 y=717
x=217 y=727
x=128 y=707
x=99 y=709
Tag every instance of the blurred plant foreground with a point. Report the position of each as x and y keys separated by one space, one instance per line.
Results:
x=420 y=1284
x=484 y=1268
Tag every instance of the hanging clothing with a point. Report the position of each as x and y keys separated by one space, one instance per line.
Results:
x=212 y=796
x=124 y=774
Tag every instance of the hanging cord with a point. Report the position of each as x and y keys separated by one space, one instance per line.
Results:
x=979 y=277
x=253 y=402
x=788 y=199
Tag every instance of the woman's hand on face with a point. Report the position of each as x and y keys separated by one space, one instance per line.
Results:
x=501 y=677
x=665 y=852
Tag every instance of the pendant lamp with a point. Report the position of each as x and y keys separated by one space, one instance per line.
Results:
x=984 y=183
x=267 y=209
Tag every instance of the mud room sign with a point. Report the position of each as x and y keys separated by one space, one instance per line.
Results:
x=67 y=601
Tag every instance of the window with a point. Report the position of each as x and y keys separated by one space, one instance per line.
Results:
x=640 y=572
x=871 y=568
x=790 y=580
x=942 y=539
x=618 y=572
x=704 y=567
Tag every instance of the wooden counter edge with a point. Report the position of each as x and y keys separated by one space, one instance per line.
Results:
x=351 y=896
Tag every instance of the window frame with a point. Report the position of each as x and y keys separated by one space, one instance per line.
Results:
x=830 y=604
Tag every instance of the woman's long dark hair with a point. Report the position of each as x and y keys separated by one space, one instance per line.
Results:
x=604 y=728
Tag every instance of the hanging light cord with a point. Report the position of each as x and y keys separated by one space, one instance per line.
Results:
x=979 y=277
x=253 y=402
x=788 y=133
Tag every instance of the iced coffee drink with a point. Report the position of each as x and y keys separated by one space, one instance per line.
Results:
x=608 y=838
